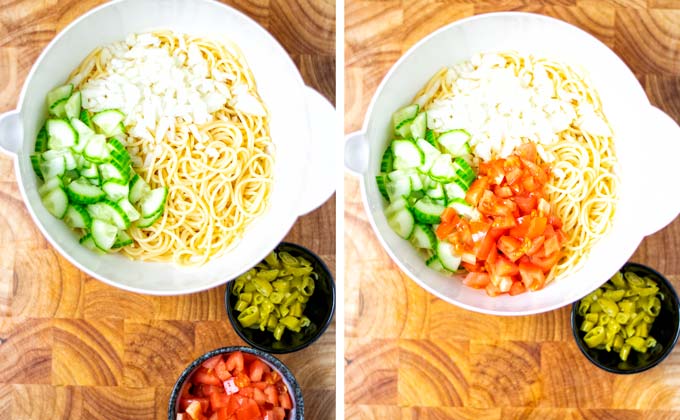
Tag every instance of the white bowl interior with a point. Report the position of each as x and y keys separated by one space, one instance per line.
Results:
x=279 y=84
x=622 y=98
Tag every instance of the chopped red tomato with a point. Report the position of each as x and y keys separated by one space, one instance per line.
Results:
x=474 y=193
x=448 y=215
x=476 y=280
x=517 y=288
x=511 y=247
x=251 y=390
x=532 y=276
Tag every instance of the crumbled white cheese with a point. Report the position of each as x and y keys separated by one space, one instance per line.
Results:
x=501 y=109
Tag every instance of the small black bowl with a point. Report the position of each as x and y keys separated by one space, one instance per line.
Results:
x=665 y=330
x=298 y=411
x=319 y=309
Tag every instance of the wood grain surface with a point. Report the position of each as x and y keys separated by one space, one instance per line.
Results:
x=72 y=347
x=410 y=355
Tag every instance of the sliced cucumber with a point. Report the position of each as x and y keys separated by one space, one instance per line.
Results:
x=396 y=189
x=41 y=140
x=36 y=160
x=447 y=257
x=60 y=134
x=114 y=170
x=129 y=209
x=122 y=239
x=431 y=137
x=434 y=263
x=85 y=117
x=386 y=163
x=382 y=187
x=436 y=191
x=58 y=109
x=115 y=189
x=89 y=170
x=423 y=237
x=96 y=149
x=77 y=217
x=412 y=174
x=118 y=151
x=461 y=206
x=50 y=185
x=104 y=234
x=81 y=191
x=56 y=202
x=145 y=222
x=88 y=242
x=442 y=169
x=395 y=206
x=419 y=126
x=54 y=167
x=455 y=189
x=138 y=189
x=406 y=113
x=455 y=142
x=427 y=210
x=402 y=222
x=108 y=121
x=109 y=212
x=72 y=106
x=403 y=130
x=58 y=94
x=430 y=152
x=464 y=171
x=406 y=154
x=153 y=202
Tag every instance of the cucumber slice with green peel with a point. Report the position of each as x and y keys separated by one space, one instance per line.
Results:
x=442 y=169
x=426 y=210
x=108 y=121
x=430 y=154
x=434 y=263
x=73 y=105
x=81 y=191
x=461 y=206
x=104 y=234
x=36 y=160
x=115 y=189
x=455 y=189
x=85 y=118
x=50 y=185
x=90 y=171
x=119 y=130
x=109 y=212
x=408 y=112
x=129 y=209
x=431 y=137
x=145 y=222
x=386 y=163
x=118 y=151
x=403 y=130
x=412 y=174
x=423 y=237
x=455 y=142
x=54 y=167
x=464 y=171
x=96 y=181
x=77 y=217
x=406 y=154
x=58 y=94
x=436 y=191
x=122 y=239
x=138 y=189
x=419 y=126
x=447 y=257
x=402 y=222
x=61 y=134
x=114 y=170
x=88 y=242
x=41 y=140
x=395 y=206
x=96 y=149
x=382 y=187
x=58 y=109
x=84 y=134
x=399 y=188
x=56 y=202
x=153 y=202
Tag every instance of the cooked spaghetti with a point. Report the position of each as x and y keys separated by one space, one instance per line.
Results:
x=196 y=124
x=565 y=120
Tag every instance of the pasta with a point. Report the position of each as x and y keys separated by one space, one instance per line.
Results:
x=583 y=188
x=218 y=171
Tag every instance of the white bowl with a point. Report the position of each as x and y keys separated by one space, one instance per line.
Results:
x=298 y=115
x=647 y=144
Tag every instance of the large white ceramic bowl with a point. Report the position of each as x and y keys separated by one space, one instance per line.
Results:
x=301 y=120
x=647 y=144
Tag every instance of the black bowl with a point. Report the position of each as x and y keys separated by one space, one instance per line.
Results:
x=319 y=309
x=298 y=411
x=665 y=330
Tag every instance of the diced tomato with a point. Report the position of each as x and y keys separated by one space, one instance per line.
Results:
x=504 y=267
x=537 y=227
x=504 y=283
x=495 y=172
x=507 y=221
x=234 y=404
x=492 y=290
x=235 y=362
x=527 y=151
x=555 y=221
x=488 y=243
x=513 y=175
x=532 y=276
x=247 y=391
x=551 y=245
x=546 y=263
x=445 y=229
x=276 y=413
x=259 y=396
x=511 y=247
x=530 y=184
x=272 y=378
x=285 y=401
x=186 y=402
x=271 y=395
x=219 y=400
x=257 y=369
x=449 y=215
x=214 y=416
x=195 y=410
x=476 y=190
x=522 y=227
x=517 y=288
x=534 y=245
x=203 y=376
x=208 y=390
x=476 y=280
x=503 y=192
x=248 y=411
x=210 y=363
x=526 y=203
x=242 y=380
x=221 y=371
x=223 y=414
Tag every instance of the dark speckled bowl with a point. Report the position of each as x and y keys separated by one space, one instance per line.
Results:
x=319 y=309
x=665 y=330
x=298 y=411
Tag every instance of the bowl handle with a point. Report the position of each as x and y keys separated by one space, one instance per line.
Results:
x=10 y=132
x=356 y=153
x=320 y=177
x=661 y=146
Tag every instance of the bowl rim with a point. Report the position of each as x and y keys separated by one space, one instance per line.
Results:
x=42 y=227
x=327 y=322
x=666 y=352
x=366 y=175
x=287 y=374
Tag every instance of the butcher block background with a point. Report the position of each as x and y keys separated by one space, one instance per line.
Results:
x=72 y=347
x=410 y=355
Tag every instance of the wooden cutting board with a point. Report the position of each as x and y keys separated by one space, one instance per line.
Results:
x=411 y=355
x=72 y=347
